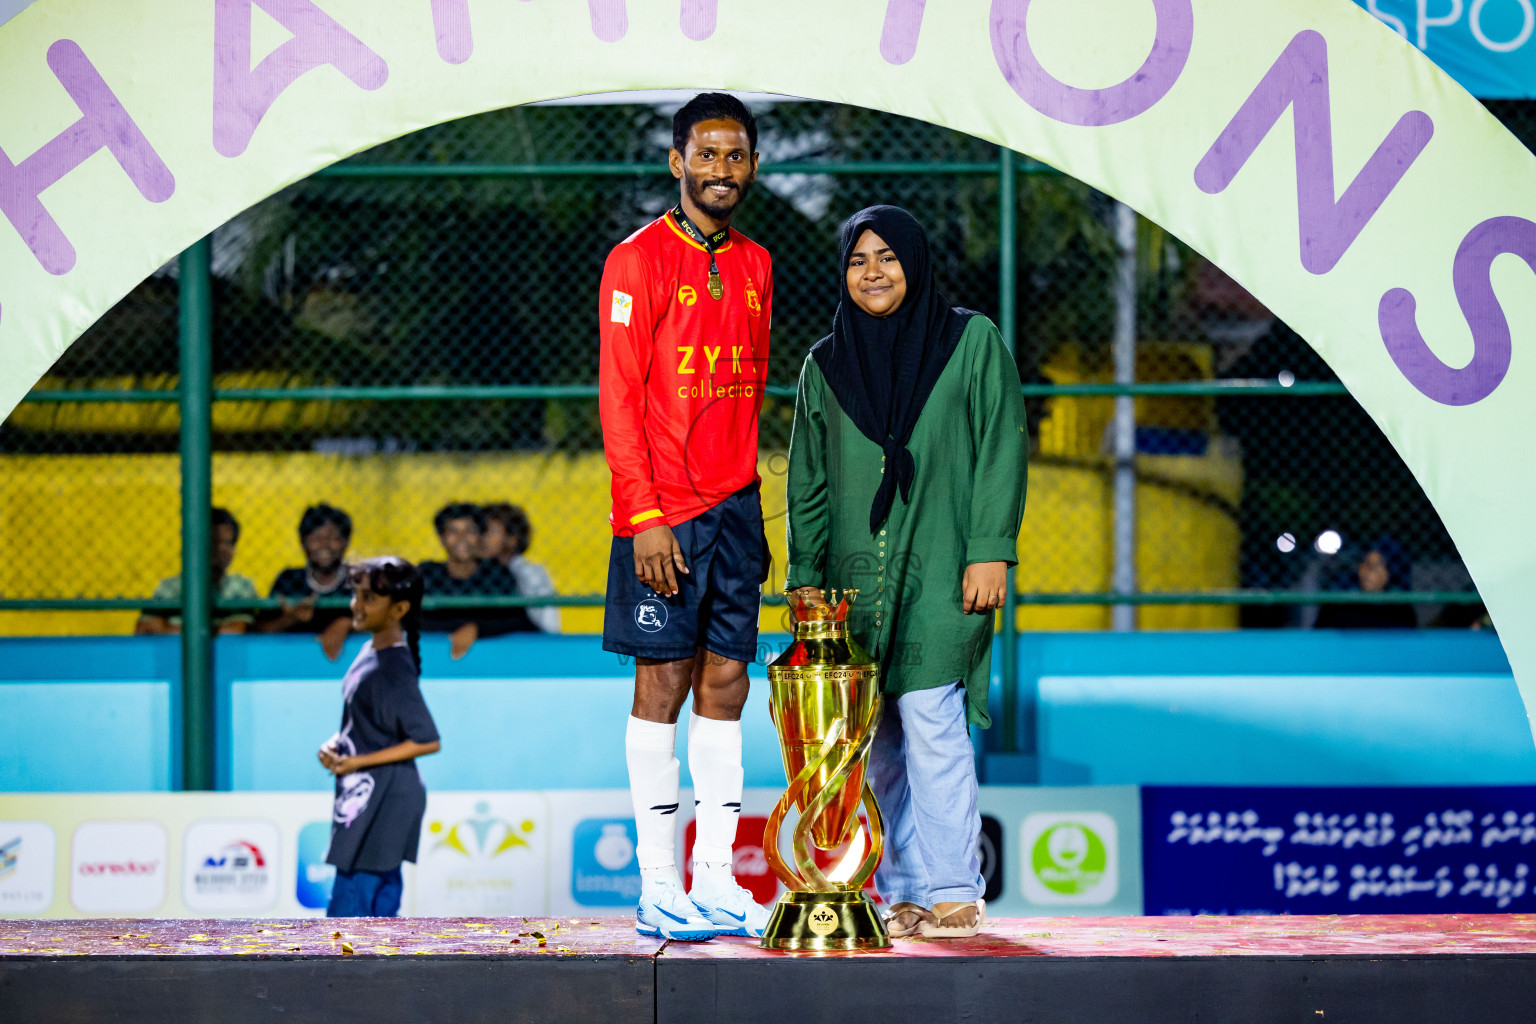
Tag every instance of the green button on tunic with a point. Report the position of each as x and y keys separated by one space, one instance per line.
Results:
x=971 y=450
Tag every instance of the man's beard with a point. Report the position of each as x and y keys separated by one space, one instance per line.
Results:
x=722 y=208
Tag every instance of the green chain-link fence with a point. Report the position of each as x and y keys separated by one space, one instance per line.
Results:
x=418 y=325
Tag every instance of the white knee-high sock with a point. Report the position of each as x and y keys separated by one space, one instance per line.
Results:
x=649 y=748
x=714 y=761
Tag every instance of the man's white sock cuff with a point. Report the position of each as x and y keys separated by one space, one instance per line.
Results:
x=643 y=735
x=711 y=732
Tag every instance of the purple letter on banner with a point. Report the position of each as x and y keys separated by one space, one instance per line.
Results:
x=455 y=37
x=1474 y=293
x=105 y=125
x=903 y=24
x=610 y=19
x=1299 y=79
x=698 y=18
x=242 y=97
x=1092 y=108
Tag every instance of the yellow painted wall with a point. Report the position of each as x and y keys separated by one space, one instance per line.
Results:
x=107 y=525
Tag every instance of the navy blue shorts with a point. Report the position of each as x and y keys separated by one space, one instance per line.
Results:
x=716 y=606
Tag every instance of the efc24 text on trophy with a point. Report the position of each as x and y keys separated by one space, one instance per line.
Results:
x=825 y=702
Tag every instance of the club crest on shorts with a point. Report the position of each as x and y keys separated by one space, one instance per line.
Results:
x=651 y=615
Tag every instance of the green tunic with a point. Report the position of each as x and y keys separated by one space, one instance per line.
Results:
x=971 y=450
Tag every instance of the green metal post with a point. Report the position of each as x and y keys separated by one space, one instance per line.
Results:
x=195 y=271
x=1007 y=315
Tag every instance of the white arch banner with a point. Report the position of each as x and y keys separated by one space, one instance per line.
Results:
x=1307 y=149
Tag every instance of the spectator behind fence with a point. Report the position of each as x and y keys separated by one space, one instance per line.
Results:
x=324 y=533
x=460 y=527
x=1384 y=567
x=507 y=537
x=227 y=586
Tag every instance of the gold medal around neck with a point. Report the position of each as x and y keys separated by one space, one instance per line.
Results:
x=716 y=289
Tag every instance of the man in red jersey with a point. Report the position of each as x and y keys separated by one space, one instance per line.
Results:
x=684 y=313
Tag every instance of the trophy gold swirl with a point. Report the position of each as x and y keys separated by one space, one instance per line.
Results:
x=825 y=702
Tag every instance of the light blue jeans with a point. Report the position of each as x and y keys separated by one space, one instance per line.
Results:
x=923 y=773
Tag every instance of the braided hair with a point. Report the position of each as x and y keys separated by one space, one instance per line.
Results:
x=398 y=580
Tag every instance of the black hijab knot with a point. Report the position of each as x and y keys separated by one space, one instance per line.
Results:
x=882 y=369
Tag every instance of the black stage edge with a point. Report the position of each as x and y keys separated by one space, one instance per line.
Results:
x=418 y=990
x=1446 y=969
x=1110 y=990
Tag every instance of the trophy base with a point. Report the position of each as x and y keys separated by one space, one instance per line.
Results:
x=825 y=922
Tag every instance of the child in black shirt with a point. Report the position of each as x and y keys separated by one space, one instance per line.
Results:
x=385 y=726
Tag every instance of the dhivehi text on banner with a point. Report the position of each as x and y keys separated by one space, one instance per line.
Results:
x=1376 y=850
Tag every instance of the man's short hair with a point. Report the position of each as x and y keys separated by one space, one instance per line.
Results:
x=459 y=510
x=224 y=517
x=320 y=515
x=514 y=520
x=712 y=106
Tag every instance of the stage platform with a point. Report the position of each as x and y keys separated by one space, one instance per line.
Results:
x=1445 y=969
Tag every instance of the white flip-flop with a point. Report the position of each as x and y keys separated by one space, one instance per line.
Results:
x=899 y=910
x=934 y=928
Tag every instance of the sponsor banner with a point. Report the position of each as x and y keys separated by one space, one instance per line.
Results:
x=482 y=854
x=1386 y=850
x=592 y=866
x=155 y=854
x=313 y=877
x=1486 y=45
x=1068 y=850
x=27 y=854
x=566 y=852
x=231 y=865
x=118 y=867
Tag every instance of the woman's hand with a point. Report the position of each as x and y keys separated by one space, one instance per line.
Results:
x=984 y=587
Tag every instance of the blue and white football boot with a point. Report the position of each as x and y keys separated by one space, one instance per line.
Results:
x=666 y=910
x=729 y=907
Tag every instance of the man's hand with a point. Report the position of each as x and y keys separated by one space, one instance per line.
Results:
x=658 y=559
x=462 y=639
x=332 y=637
x=983 y=588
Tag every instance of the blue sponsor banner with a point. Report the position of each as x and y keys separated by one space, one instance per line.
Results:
x=1486 y=45
x=1377 y=850
x=604 y=870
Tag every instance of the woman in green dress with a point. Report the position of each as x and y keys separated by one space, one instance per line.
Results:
x=907 y=470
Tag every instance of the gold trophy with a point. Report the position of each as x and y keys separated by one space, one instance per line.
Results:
x=825 y=701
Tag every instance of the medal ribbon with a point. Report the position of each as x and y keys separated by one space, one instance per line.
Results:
x=710 y=243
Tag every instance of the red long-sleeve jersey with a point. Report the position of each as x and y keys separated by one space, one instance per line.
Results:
x=681 y=375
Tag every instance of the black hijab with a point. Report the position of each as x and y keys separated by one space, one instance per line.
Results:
x=882 y=369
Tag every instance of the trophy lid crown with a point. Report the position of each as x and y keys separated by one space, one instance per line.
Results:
x=812 y=604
